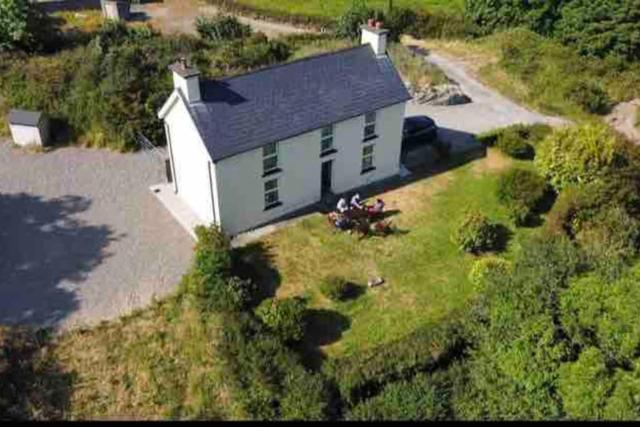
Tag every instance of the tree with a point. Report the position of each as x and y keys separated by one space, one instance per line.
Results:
x=601 y=27
x=22 y=26
x=584 y=386
x=491 y=15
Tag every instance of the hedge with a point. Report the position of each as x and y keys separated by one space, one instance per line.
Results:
x=364 y=374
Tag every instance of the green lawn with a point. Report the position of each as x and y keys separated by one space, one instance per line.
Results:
x=333 y=8
x=426 y=275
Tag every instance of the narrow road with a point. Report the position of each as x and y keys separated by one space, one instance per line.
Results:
x=178 y=16
x=488 y=110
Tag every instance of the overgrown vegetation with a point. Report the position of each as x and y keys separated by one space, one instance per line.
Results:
x=221 y=27
x=599 y=28
x=547 y=76
x=102 y=89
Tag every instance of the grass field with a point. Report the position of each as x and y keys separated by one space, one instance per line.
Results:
x=333 y=8
x=426 y=274
x=159 y=363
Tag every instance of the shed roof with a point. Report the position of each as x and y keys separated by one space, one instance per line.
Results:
x=242 y=113
x=24 y=117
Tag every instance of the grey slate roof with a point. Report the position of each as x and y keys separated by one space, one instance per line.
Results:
x=24 y=117
x=243 y=113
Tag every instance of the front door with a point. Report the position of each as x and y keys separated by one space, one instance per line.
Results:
x=326 y=177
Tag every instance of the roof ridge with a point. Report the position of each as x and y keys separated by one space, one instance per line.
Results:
x=306 y=58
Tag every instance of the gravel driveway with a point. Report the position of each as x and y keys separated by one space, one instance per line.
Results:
x=489 y=109
x=82 y=237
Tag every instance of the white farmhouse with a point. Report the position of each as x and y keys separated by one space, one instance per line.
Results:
x=28 y=128
x=249 y=149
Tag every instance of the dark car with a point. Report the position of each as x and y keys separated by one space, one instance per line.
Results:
x=418 y=130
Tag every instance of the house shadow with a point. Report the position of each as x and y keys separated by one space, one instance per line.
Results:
x=255 y=262
x=34 y=385
x=45 y=256
x=219 y=92
x=323 y=327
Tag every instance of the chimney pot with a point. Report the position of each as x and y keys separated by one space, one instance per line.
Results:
x=371 y=22
x=379 y=25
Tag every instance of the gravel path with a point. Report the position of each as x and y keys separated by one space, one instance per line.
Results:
x=488 y=110
x=178 y=16
x=82 y=237
x=623 y=119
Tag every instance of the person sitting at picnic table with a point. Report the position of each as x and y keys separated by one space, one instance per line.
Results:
x=341 y=222
x=342 y=205
x=355 y=202
x=377 y=207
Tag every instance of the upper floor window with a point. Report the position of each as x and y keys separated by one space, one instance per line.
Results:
x=370 y=125
x=326 y=141
x=270 y=157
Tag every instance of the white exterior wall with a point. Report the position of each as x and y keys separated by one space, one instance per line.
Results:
x=190 y=162
x=348 y=141
x=27 y=135
x=240 y=185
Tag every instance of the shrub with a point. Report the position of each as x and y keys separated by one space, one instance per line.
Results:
x=513 y=145
x=522 y=191
x=305 y=397
x=363 y=374
x=336 y=288
x=221 y=27
x=348 y=24
x=578 y=154
x=285 y=317
x=212 y=252
x=398 y=21
x=476 y=234
x=590 y=96
x=530 y=135
x=486 y=267
x=610 y=239
x=256 y=51
x=418 y=399
x=433 y=24
x=267 y=375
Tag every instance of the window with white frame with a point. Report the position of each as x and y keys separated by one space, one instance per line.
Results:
x=271 y=196
x=369 y=125
x=270 y=157
x=367 y=158
x=326 y=140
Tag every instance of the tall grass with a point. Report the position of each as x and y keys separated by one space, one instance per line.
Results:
x=414 y=68
x=160 y=363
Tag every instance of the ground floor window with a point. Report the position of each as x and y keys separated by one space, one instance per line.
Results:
x=367 y=158
x=271 y=196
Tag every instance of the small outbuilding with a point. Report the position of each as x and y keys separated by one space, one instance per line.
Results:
x=29 y=127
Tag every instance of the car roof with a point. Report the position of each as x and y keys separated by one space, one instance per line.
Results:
x=419 y=120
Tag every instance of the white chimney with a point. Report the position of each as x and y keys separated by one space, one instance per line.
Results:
x=187 y=79
x=376 y=36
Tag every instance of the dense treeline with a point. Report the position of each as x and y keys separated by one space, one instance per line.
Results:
x=595 y=27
